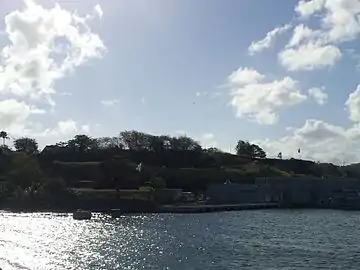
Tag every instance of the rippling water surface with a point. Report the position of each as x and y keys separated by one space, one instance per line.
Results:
x=270 y=239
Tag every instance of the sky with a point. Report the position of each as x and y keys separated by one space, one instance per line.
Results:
x=282 y=74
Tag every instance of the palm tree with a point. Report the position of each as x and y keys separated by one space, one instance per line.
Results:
x=4 y=136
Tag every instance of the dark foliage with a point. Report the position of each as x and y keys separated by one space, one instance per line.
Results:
x=112 y=163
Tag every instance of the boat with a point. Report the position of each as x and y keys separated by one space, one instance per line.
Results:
x=82 y=215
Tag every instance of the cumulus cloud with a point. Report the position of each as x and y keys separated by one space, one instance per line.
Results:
x=311 y=49
x=317 y=140
x=318 y=95
x=339 y=18
x=261 y=101
x=302 y=34
x=322 y=141
x=66 y=127
x=353 y=105
x=109 y=102
x=45 y=44
x=98 y=11
x=268 y=40
x=309 y=56
x=14 y=113
x=245 y=76
x=308 y=8
x=63 y=129
x=208 y=140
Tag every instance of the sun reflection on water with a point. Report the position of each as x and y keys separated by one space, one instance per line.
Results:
x=48 y=241
x=246 y=240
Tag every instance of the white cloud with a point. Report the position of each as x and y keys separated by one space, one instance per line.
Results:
x=245 y=76
x=65 y=94
x=308 y=8
x=14 y=113
x=45 y=44
x=321 y=141
x=63 y=129
x=208 y=140
x=317 y=141
x=302 y=33
x=67 y=127
x=262 y=101
x=313 y=49
x=98 y=11
x=109 y=102
x=268 y=40
x=309 y=56
x=15 y=119
x=318 y=95
x=340 y=18
x=353 y=105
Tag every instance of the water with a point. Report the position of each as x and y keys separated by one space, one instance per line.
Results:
x=271 y=239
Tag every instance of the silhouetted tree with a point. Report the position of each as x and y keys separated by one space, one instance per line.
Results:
x=4 y=149
x=26 y=145
x=280 y=155
x=82 y=143
x=110 y=143
x=4 y=136
x=251 y=150
x=156 y=143
x=24 y=171
x=212 y=150
x=184 y=143
x=135 y=140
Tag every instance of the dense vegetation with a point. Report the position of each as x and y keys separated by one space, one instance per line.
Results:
x=113 y=163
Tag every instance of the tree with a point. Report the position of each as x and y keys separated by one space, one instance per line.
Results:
x=82 y=143
x=184 y=143
x=4 y=136
x=110 y=143
x=4 y=149
x=213 y=150
x=248 y=149
x=26 y=145
x=135 y=140
x=156 y=143
x=24 y=171
x=258 y=152
x=280 y=155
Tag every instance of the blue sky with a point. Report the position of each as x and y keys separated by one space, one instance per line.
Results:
x=164 y=67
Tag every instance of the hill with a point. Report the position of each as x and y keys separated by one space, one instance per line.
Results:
x=136 y=159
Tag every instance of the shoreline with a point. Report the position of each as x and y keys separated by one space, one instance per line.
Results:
x=182 y=209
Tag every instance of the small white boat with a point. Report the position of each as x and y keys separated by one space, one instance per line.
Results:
x=82 y=215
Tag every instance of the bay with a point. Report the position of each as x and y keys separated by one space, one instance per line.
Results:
x=261 y=239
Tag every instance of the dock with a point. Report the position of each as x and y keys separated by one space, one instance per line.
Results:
x=205 y=208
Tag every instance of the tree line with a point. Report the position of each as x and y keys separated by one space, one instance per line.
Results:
x=129 y=140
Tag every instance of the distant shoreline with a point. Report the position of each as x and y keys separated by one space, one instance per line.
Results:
x=180 y=209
